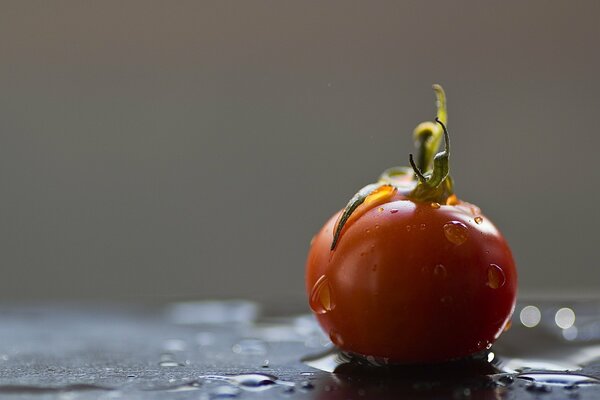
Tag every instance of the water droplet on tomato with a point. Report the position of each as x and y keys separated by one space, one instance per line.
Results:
x=380 y=209
x=495 y=277
x=478 y=220
x=456 y=232
x=393 y=211
x=435 y=205
x=368 y=231
x=320 y=296
x=376 y=226
x=408 y=227
x=439 y=271
x=423 y=227
x=507 y=326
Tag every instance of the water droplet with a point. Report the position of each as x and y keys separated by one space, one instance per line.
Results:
x=478 y=220
x=249 y=382
x=368 y=231
x=423 y=227
x=456 y=232
x=495 y=277
x=320 y=297
x=186 y=387
x=376 y=226
x=170 y=364
x=439 y=271
x=507 y=326
x=558 y=379
x=435 y=205
x=312 y=240
x=393 y=211
x=380 y=209
x=408 y=227
x=254 y=380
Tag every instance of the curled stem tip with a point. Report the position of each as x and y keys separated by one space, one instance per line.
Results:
x=427 y=135
x=415 y=168
x=446 y=136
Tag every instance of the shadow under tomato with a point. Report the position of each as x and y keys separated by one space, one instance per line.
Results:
x=357 y=377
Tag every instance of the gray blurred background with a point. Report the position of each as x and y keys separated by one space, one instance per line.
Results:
x=154 y=151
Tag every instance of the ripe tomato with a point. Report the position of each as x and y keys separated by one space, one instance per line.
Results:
x=411 y=276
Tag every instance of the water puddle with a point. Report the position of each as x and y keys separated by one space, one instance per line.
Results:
x=548 y=347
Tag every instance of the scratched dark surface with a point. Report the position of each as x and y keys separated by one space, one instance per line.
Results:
x=217 y=350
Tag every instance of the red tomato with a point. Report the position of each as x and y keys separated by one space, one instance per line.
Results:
x=413 y=283
x=407 y=279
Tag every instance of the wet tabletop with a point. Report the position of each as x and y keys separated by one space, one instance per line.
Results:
x=220 y=350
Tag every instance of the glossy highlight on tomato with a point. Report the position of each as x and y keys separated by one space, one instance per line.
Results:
x=408 y=273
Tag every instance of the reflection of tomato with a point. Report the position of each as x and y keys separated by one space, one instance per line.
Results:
x=411 y=279
x=466 y=378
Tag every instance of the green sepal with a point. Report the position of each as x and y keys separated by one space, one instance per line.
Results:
x=352 y=205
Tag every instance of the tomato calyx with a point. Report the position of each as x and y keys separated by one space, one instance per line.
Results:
x=426 y=180
x=373 y=194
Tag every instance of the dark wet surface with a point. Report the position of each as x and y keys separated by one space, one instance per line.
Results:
x=219 y=350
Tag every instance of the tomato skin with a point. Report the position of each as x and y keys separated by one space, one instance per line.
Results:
x=413 y=283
